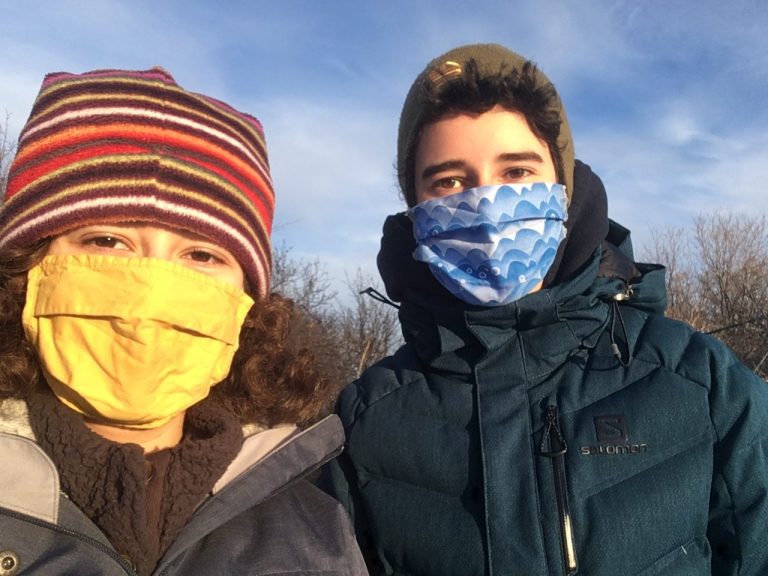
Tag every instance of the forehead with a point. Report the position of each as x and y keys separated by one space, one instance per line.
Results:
x=476 y=132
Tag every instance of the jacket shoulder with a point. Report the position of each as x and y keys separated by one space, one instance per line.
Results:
x=378 y=381
x=694 y=355
x=735 y=393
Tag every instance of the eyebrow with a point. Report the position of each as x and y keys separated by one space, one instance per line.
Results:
x=520 y=156
x=461 y=164
x=442 y=167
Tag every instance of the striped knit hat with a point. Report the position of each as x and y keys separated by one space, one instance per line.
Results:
x=123 y=146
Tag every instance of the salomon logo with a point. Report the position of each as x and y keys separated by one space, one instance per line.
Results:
x=613 y=438
x=611 y=428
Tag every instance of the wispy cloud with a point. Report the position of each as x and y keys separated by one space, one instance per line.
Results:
x=332 y=169
x=666 y=98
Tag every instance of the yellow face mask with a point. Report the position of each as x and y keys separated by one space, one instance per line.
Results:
x=131 y=341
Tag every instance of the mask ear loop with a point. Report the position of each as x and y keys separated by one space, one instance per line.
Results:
x=616 y=312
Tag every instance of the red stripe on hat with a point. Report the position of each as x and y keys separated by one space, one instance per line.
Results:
x=152 y=136
x=28 y=175
x=261 y=203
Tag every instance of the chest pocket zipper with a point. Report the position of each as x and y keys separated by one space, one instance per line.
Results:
x=554 y=447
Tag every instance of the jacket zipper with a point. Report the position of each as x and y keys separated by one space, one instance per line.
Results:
x=86 y=539
x=554 y=447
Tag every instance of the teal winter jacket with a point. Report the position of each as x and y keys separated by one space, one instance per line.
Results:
x=575 y=431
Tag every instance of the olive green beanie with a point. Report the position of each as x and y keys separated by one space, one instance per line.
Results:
x=490 y=60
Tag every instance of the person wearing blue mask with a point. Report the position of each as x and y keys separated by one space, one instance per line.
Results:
x=543 y=417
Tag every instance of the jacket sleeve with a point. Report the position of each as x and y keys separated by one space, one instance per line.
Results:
x=738 y=516
x=339 y=479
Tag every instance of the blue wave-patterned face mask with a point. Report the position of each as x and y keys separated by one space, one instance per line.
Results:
x=494 y=244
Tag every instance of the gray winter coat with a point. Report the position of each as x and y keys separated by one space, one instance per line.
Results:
x=266 y=520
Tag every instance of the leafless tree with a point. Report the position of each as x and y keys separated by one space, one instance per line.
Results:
x=368 y=328
x=717 y=280
x=672 y=248
x=344 y=334
x=7 y=152
x=733 y=282
x=306 y=282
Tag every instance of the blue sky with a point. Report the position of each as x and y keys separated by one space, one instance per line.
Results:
x=667 y=98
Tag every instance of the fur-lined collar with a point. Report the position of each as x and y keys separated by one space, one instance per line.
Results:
x=14 y=418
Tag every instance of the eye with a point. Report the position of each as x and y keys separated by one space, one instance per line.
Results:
x=449 y=183
x=210 y=259
x=204 y=257
x=106 y=242
x=518 y=173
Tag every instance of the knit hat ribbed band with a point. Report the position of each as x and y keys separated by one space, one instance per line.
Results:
x=123 y=146
x=490 y=60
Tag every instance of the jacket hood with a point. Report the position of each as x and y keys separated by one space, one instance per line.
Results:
x=550 y=324
x=594 y=274
x=646 y=281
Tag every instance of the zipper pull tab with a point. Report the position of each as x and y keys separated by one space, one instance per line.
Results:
x=553 y=443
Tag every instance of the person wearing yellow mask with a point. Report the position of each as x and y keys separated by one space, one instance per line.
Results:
x=152 y=417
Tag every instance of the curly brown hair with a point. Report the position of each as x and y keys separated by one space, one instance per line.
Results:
x=268 y=384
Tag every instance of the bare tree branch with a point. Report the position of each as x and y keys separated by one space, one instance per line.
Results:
x=718 y=280
x=7 y=153
x=344 y=335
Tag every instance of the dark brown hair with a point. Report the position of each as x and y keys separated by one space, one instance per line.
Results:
x=268 y=384
x=476 y=93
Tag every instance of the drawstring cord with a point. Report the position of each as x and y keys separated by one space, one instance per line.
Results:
x=378 y=296
x=616 y=312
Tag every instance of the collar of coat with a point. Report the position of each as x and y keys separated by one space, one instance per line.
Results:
x=548 y=325
x=267 y=462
